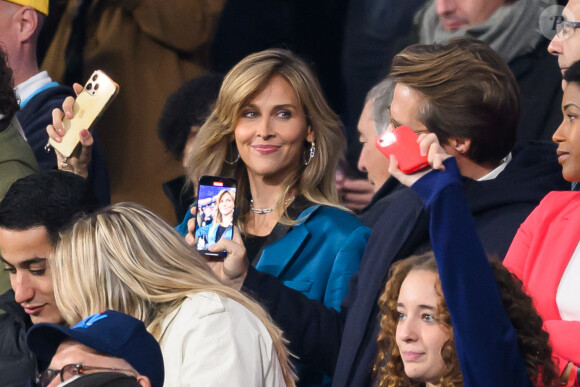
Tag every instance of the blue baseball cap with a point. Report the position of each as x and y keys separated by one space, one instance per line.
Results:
x=113 y=333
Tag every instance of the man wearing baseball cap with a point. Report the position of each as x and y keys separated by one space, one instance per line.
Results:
x=108 y=342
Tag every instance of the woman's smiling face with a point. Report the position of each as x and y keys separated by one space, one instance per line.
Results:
x=271 y=131
x=226 y=204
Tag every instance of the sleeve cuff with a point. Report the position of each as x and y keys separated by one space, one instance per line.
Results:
x=429 y=186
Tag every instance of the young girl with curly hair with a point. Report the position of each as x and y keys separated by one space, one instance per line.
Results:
x=450 y=317
x=390 y=366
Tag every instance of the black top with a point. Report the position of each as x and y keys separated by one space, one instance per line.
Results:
x=4 y=124
x=179 y=197
x=17 y=363
x=255 y=244
x=220 y=231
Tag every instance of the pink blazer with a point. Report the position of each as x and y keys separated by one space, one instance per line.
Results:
x=539 y=255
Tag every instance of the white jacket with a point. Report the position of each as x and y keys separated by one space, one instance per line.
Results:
x=212 y=340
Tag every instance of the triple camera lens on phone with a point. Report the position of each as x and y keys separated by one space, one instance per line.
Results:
x=90 y=88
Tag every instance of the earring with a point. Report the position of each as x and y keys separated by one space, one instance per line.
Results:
x=233 y=162
x=312 y=153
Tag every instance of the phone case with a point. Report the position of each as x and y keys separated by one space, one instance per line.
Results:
x=97 y=94
x=402 y=142
x=209 y=190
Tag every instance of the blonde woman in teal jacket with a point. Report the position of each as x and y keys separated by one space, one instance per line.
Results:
x=273 y=131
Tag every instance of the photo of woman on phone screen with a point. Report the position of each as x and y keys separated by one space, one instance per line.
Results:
x=222 y=224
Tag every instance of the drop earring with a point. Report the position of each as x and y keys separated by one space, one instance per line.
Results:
x=312 y=153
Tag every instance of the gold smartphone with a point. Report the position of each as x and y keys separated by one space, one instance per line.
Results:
x=97 y=94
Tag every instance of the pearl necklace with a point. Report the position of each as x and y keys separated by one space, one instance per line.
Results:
x=268 y=209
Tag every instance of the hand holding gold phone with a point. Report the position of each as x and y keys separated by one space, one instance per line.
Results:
x=96 y=95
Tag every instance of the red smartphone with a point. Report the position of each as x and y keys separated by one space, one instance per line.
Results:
x=402 y=142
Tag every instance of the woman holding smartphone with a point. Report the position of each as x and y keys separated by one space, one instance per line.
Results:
x=273 y=131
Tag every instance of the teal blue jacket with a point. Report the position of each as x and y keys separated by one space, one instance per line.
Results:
x=317 y=256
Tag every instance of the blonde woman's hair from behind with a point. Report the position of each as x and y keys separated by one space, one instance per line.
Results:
x=215 y=150
x=127 y=259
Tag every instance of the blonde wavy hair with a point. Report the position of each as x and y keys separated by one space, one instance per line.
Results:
x=127 y=259
x=215 y=143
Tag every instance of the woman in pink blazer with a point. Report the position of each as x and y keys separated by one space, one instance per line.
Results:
x=545 y=253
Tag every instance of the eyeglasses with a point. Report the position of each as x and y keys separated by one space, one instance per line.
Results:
x=70 y=370
x=565 y=29
x=396 y=124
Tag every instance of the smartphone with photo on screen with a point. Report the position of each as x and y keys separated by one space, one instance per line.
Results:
x=216 y=198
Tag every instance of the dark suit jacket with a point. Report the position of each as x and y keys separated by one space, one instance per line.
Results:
x=344 y=344
x=17 y=363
